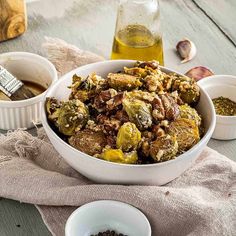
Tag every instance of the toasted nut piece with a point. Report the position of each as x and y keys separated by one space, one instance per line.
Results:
x=171 y=107
x=153 y=82
x=158 y=110
x=157 y=131
x=164 y=148
x=111 y=126
x=167 y=81
x=122 y=116
x=186 y=131
x=100 y=101
x=145 y=148
x=123 y=82
x=115 y=102
x=88 y=141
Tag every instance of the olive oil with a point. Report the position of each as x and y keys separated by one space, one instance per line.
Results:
x=138 y=43
x=35 y=88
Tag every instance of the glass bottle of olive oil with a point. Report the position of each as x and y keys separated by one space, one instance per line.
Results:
x=138 y=34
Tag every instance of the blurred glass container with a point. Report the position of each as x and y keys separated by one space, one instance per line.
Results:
x=13 y=18
x=138 y=34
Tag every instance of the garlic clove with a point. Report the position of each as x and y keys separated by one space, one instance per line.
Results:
x=186 y=49
x=199 y=72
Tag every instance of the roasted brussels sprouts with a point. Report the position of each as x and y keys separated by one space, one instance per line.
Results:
x=140 y=95
x=187 y=88
x=85 y=88
x=139 y=115
x=88 y=141
x=128 y=137
x=190 y=113
x=73 y=115
x=139 y=112
x=186 y=131
x=117 y=155
x=123 y=82
x=53 y=107
x=164 y=148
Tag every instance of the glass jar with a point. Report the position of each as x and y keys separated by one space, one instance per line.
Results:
x=138 y=35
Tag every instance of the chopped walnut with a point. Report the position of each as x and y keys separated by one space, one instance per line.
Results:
x=100 y=101
x=115 y=102
x=122 y=116
x=158 y=131
x=145 y=147
x=171 y=107
x=158 y=111
x=153 y=83
x=93 y=126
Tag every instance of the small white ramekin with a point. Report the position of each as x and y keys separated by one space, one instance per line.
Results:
x=29 y=67
x=216 y=86
x=103 y=215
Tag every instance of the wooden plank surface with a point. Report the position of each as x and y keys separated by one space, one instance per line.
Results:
x=90 y=25
x=222 y=13
x=184 y=19
x=20 y=219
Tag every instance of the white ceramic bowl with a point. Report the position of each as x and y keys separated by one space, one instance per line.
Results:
x=100 y=216
x=29 y=67
x=216 y=86
x=109 y=172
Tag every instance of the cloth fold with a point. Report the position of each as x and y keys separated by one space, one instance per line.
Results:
x=202 y=201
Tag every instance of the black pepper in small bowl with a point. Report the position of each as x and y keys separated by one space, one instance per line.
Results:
x=108 y=233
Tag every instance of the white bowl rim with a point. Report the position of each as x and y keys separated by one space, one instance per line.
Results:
x=27 y=102
x=205 y=80
x=111 y=202
x=184 y=155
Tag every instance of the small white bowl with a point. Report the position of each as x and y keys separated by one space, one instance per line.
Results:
x=100 y=216
x=102 y=171
x=29 y=67
x=216 y=86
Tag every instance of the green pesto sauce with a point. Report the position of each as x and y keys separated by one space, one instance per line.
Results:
x=224 y=106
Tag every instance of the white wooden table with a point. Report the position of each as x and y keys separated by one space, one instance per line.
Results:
x=210 y=24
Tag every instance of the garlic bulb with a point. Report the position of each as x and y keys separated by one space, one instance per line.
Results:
x=186 y=49
x=199 y=72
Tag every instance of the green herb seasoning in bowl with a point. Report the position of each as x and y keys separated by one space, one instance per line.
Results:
x=224 y=106
x=221 y=89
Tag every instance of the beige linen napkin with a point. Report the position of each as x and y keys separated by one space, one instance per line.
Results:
x=202 y=201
